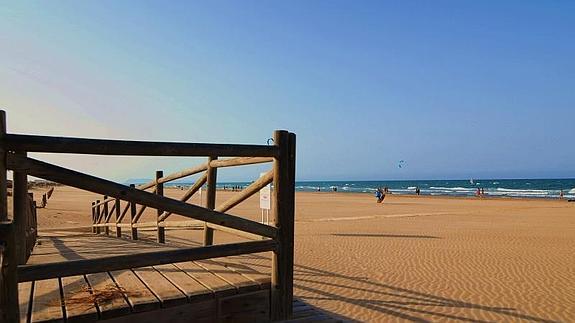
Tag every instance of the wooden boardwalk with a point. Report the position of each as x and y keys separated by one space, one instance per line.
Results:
x=229 y=289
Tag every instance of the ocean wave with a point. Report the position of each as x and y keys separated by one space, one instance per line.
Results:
x=572 y=191
x=502 y=189
x=411 y=187
x=524 y=192
x=452 y=188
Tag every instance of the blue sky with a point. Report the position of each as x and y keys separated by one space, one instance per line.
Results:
x=457 y=89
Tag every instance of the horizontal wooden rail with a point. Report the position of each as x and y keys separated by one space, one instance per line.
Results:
x=47 y=144
x=240 y=161
x=163 y=224
x=238 y=233
x=88 y=266
x=98 y=185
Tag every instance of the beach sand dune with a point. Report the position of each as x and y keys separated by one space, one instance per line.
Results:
x=412 y=258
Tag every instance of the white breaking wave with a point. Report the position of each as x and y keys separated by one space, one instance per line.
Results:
x=518 y=190
x=452 y=188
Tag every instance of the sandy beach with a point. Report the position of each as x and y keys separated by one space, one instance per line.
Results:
x=411 y=258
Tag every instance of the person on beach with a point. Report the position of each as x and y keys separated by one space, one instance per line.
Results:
x=478 y=192
x=380 y=195
x=417 y=191
x=482 y=192
x=561 y=195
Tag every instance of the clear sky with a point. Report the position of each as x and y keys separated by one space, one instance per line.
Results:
x=457 y=89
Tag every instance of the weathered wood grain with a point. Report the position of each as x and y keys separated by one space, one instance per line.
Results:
x=47 y=144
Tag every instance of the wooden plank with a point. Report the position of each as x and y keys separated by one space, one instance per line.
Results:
x=46 y=305
x=24 y=298
x=214 y=283
x=248 y=271
x=284 y=199
x=86 y=266
x=238 y=233
x=78 y=301
x=241 y=283
x=165 y=291
x=109 y=298
x=102 y=186
x=246 y=307
x=69 y=145
x=202 y=312
x=139 y=296
x=182 y=224
x=240 y=161
x=184 y=282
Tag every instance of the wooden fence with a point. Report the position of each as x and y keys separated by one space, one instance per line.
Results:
x=278 y=238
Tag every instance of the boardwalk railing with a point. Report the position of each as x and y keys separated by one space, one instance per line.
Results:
x=279 y=238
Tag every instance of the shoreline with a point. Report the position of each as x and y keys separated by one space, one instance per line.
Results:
x=370 y=194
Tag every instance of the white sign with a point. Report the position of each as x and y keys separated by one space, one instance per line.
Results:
x=265 y=196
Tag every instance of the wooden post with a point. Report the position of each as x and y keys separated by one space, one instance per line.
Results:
x=118 y=229
x=33 y=224
x=3 y=178
x=212 y=173
x=35 y=220
x=9 y=311
x=133 y=211
x=105 y=216
x=283 y=202
x=93 y=217
x=97 y=215
x=160 y=191
x=20 y=207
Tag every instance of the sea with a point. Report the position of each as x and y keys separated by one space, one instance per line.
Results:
x=516 y=188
